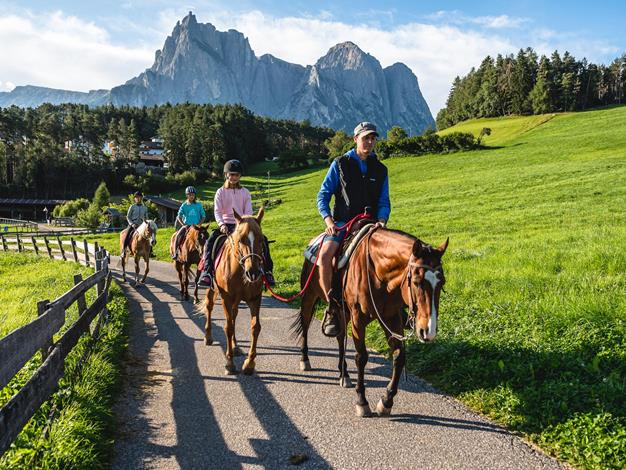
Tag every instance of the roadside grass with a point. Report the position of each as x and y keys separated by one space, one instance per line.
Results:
x=81 y=434
x=533 y=324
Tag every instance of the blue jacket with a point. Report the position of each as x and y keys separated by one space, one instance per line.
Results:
x=191 y=214
x=331 y=183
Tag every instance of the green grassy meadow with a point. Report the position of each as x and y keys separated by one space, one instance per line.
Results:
x=81 y=435
x=533 y=324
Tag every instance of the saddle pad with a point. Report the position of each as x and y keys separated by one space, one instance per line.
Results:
x=310 y=253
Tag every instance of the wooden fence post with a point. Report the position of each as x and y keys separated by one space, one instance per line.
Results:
x=4 y=243
x=45 y=239
x=35 y=246
x=74 y=249
x=86 y=245
x=42 y=306
x=82 y=303
x=61 y=248
x=19 y=242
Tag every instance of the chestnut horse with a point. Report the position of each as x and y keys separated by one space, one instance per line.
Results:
x=388 y=270
x=189 y=254
x=139 y=247
x=238 y=277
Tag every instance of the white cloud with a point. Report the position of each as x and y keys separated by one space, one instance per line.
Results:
x=457 y=17
x=6 y=86
x=62 y=51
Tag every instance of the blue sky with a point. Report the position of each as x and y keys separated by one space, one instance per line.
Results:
x=87 y=45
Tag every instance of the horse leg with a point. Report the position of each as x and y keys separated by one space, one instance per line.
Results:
x=179 y=269
x=195 y=290
x=137 y=269
x=344 y=377
x=386 y=401
x=236 y=349
x=186 y=281
x=306 y=314
x=146 y=259
x=358 y=335
x=255 y=327
x=123 y=259
x=209 y=303
x=229 y=367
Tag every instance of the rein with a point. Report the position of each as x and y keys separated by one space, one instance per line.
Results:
x=347 y=227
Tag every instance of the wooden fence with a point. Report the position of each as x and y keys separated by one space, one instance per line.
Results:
x=19 y=346
x=53 y=247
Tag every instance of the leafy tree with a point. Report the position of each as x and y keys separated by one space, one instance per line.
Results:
x=101 y=197
x=335 y=145
x=395 y=134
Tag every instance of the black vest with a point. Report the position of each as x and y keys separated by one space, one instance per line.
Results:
x=357 y=190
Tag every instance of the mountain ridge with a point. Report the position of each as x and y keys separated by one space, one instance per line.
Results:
x=201 y=64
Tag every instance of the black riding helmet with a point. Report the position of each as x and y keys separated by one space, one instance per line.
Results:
x=233 y=166
x=138 y=193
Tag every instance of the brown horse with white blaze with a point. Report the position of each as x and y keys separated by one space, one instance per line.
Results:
x=389 y=270
x=189 y=254
x=238 y=277
x=139 y=247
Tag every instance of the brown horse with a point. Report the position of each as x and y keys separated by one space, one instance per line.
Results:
x=189 y=254
x=139 y=247
x=239 y=277
x=388 y=271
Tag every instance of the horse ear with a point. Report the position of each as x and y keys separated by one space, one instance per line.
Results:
x=260 y=214
x=418 y=246
x=237 y=216
x=442 y=248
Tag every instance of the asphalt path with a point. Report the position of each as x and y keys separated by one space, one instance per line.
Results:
x=179 y=410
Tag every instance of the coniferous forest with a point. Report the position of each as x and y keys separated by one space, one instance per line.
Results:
x=57 y=151
x=528 y=84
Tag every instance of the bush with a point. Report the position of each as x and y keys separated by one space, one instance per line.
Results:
x=91 y=217
x=70 y=208
x=429 y=142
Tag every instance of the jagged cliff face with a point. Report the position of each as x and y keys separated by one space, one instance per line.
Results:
x=202 y=65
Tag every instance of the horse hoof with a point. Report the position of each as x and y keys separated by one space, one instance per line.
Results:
x=248 y=367
x=382 y=410
x=345 y=382
x=208 y=341
x=305 y=365
x=230 y=370
x=363 y=411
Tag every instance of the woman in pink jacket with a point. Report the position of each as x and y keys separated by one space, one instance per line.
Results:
x=231 y=196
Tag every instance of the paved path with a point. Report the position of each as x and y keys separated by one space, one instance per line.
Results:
x=179 y=410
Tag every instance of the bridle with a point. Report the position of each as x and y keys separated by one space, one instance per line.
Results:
x=410 y=267
x=241 y=258
x=412 y=302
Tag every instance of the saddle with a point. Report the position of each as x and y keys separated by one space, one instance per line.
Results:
x=175 y=237
x=216 y=252
x=352 y=239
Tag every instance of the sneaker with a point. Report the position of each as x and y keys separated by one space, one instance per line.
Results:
x=330 y=323
x=206 y=280
x=270 y=278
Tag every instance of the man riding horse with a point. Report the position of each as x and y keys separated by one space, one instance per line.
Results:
x=136 y=215
x=357 y=179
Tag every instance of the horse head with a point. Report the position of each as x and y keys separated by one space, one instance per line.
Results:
x=198 y=234
x=147 y=230
x=425 y=279
x=249 y=245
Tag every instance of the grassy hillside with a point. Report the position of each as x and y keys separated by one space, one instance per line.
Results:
x=533 y=327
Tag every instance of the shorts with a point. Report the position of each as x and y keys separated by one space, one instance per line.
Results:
x=338 y=237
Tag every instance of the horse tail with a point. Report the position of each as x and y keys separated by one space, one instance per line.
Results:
x=298 y=324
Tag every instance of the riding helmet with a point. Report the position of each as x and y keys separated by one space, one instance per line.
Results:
x=190 y=190
x=138 y=193
x=233 y=166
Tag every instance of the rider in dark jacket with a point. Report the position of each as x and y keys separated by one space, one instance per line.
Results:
x=356 y=180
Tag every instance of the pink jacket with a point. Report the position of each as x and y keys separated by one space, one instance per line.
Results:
x=228 y=199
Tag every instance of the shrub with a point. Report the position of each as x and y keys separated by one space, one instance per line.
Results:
x=70 y=208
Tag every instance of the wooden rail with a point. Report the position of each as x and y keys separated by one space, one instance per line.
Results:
x=19 y=346
x=53 y=247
